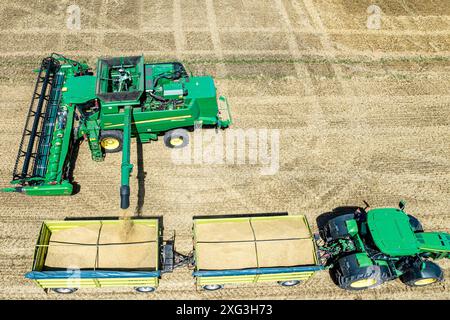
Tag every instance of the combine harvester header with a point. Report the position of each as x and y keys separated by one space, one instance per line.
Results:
x=127 y=98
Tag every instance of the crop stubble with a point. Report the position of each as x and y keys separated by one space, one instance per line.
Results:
x=385 y=134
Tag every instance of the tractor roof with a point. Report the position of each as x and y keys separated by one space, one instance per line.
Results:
x=391 y=232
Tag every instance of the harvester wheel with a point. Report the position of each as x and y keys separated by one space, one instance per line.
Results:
x=64 y=290
x=111 y=140
x=212 y=287
x=418 y=277
x=350 y=276
x=176 y=139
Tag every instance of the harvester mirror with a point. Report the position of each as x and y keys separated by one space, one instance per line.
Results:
x=402 y=204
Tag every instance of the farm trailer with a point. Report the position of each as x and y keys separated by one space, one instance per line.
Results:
x=252 y=249
x=91 y=253
x=126 y=98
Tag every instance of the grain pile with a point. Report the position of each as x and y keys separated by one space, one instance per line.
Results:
x=123 y=245
x=252 y=243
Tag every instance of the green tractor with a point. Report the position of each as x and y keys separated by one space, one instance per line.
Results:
x=364 y=248
x=126 y=98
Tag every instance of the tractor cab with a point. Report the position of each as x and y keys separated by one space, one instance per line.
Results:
x=391 y=232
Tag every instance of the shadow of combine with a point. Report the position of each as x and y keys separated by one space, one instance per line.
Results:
x=73 y=156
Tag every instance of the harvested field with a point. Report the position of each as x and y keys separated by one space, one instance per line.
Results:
x=362 y=115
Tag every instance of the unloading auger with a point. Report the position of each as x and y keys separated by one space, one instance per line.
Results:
x=126 y=98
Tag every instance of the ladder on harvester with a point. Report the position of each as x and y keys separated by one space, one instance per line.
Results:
x=39 y=126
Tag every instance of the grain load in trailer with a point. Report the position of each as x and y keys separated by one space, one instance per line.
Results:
x=98 y=253
x=253 y=248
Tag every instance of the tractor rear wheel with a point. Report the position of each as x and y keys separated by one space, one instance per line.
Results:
x=335 y=228
x=111 y=140
x=350 y=276
x=176 y=139
x=418 y=277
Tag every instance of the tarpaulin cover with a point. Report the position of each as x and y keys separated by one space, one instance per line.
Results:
x=253 y=242
x=103 y=246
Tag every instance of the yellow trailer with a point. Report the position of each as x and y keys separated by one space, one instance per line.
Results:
x=251 y=249
x=98 y=253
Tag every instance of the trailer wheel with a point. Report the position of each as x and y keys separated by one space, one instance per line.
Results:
x=417 y=277
x=111 y=141
x=64 y=290
x=289 y=283
x=176 y=139
x=145 y=289
x=212 y=287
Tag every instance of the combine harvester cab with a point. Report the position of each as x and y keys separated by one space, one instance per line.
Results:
x=127 y=98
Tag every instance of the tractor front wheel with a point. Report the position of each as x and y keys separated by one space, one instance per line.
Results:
x=418 y=277
x=111 y=141
x=176 y=139
x=415 y=224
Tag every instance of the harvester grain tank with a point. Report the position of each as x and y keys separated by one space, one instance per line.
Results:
x=126 y=99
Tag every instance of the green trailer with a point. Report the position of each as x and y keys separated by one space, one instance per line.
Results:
x=76 y=254
x=126 y=98
x=252 y=249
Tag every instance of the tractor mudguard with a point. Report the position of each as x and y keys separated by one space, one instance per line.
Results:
x=340 y=227
x=426 y=270
x=357 y=272
x=349 y=263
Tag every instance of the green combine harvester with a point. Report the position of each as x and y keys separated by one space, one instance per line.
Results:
x=365 y=248
x=126 y=98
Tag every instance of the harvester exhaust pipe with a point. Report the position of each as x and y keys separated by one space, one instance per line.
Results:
x=127 y=167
